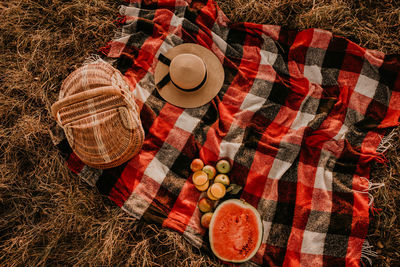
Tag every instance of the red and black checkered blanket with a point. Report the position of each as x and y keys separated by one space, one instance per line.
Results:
x=300 y=116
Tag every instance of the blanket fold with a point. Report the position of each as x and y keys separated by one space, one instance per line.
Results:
x=300 y=116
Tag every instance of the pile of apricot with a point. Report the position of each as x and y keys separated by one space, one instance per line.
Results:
x=214 y=181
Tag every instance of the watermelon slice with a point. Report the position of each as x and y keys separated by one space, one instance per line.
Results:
x=235 y=231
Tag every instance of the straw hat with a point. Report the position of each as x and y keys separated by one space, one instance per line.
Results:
x=188 y=75
x=99 y=116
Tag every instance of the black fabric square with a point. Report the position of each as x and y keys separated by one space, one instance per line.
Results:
x=329 y=77
x=230 y=74
x=310 y=105
x=265 y=115
x=326 y=104
x=173 y=184
x=108 y=179
x=167 y=154
x=367 y=124
x=155 y=102
x=281 y=65
x=335 y=53
x=191 y=15
x=145 y=26
x=288 y=152
x=347 y=161
x=287 y=194
x=383 y=95
x=135 y=40
x=152 y=5
x=291 y=174
x=181 y=165
x=318 y=221
x=147 y=117
x=336 y=245
x=388 y=72
x=284 y=211
x=189 y=30
x=340 y=223
x=210 y=117
x=251 y=138
x=376 y=112
x=65 y=148
x=279 y=235
x=279 y=93
x=239 y=172
x=235 y=41
x=267 y=209
x=261 y=88
x=333 y=261
x=244 y=157
x=276 y=257
x=355 y=138
x=342 y=182
x=124 y=62
x=314 y=56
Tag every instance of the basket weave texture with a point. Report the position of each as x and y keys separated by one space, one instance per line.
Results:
x=99 y=116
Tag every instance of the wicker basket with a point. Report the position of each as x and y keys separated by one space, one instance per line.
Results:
x=99 y=116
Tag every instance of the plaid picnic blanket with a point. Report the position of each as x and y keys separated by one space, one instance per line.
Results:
x=300 y=117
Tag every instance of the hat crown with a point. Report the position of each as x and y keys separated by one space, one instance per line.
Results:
x=187 y=71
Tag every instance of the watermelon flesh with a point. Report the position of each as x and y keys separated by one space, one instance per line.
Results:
x=235 y=231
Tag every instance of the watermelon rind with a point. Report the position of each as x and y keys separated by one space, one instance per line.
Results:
x=245 y=205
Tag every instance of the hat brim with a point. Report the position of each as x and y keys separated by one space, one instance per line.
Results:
x=200 y=97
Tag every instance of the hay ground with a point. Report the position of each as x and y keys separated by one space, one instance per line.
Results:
x=48 y=216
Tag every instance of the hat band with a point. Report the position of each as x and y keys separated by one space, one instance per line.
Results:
x=167 y=78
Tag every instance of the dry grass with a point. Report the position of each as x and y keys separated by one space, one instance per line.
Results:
x=47 y=215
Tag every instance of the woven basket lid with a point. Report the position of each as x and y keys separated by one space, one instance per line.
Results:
x=99 y=116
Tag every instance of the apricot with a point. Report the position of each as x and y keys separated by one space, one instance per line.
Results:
x=196 y=165
x=210 y=170
x=217 y=190
x=205 y=219
x=209 y=195
x=205 y=205
x=200 y=178
x=223 y=179
x=223 y=166
x=203 y=187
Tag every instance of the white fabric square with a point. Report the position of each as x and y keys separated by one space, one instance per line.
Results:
x=228 y=149
x=187 y=122
x=156 y=170
x=252 y=103
x=141 y=93
x=175 y=21
x=266 y=228
x=301 y=120
x=343 y=130
x=366 y=86
x=278 y=168
x=163 y=48
x=313 y=243
x=221 y=43
x=323 y=179
x=313 y=74
x=129 y=11
x=267 y=58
